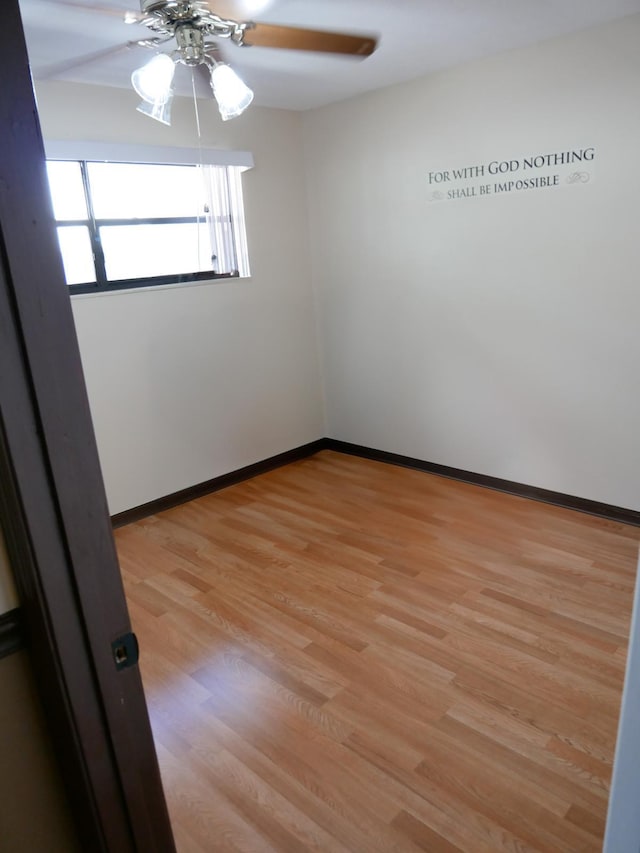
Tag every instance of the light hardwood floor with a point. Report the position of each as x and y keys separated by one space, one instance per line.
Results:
x=343 y=655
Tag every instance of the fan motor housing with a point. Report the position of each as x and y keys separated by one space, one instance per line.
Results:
x=190 y=41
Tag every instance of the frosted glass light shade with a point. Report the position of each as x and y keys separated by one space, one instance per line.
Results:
x=159 y=110
x=231 y=93
x=153 y=80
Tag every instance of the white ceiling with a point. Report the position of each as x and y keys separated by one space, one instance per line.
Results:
x=415 y=37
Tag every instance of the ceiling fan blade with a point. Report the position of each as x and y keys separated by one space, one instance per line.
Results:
x=296 y=38
x=58 y=68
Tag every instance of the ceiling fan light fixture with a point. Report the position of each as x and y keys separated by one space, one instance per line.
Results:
x=153 y=80
x=231 y=93
x=160 y=111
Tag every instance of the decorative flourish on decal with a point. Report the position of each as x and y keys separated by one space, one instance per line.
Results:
x=578 y=178
x=436 y=196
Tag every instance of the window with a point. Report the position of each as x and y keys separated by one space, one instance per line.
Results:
x=126 y=225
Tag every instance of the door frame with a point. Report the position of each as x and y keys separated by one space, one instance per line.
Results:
x=622 y=834
x=53 y=508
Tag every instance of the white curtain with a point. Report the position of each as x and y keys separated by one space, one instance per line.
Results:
x=237 y=208
x=225 y=218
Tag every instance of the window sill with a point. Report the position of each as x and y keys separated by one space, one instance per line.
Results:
x=134 y=286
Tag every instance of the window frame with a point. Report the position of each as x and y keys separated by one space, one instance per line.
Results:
x=84 y=153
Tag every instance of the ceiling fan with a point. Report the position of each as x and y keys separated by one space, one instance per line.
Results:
x=170 y=17
x=196 y=28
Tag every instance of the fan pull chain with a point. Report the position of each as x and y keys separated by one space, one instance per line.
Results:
x=200 y=158
x=195 y=106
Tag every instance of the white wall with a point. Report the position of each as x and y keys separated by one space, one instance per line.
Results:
x=34 y=817
x=30 y=782
x=8 y=595
x=497 y=335
x=189 y=383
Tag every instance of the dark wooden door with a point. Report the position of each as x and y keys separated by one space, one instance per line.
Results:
x=53 y=507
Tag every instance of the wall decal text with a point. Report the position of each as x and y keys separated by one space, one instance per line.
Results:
x=496 y=177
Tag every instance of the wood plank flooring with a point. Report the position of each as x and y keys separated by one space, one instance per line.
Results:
x=343 y=655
